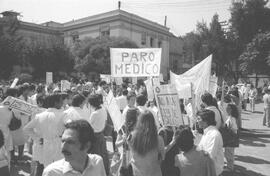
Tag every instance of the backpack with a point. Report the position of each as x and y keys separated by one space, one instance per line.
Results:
x=15 y=123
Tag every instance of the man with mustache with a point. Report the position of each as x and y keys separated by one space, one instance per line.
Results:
x=76 y=141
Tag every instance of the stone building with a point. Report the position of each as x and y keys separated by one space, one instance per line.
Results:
x=117 y=23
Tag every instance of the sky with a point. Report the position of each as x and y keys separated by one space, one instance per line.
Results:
x=182 y=15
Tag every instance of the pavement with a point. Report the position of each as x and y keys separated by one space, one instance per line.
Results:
x=252 y=158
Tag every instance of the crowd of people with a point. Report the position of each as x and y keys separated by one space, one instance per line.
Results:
x=68 y=134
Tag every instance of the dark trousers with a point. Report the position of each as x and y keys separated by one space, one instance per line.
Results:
x=4 y=171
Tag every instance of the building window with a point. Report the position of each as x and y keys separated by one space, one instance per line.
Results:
x=75 y=38
x=143 y=39
x=105 y=31
x=151 y=42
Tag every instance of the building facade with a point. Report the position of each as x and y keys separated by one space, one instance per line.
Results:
x=117 y=23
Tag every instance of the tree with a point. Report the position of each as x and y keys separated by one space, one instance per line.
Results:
x=248 y=18
x=256 y=56
x=93 y=55
x=10 y=46
x=49 y=57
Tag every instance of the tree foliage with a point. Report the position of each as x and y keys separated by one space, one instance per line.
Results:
x=93 y=55
x=256 y=57
x=10 y=47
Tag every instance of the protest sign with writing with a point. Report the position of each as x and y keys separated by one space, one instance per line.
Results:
x=135 y=62
x=49 y=78
x=149 y=88
x=20 y=105
x=168 y=104
x=106 y=78
x=65 y=85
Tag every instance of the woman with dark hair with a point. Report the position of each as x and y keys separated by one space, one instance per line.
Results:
x=211 y=104
x=211 y=140
x=75 y=111
x=236 y=99
x=192 y=161
x=146 y=146
x=98 y=120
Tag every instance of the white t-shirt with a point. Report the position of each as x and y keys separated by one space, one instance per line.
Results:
x=98 y=119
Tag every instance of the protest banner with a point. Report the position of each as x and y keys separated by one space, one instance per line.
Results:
x=106 y=78
x=168 y=105
x=65 y=85
x=199 y=75
x=114 y=111
x=141 y=62
x=20 y=105
x=118 y=81
x=49 y=78
x=14 y=83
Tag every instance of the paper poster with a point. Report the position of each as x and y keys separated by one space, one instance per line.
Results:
x=118 y=81
x=20 y=105
x=65 y=85
x=168 y=105
x=114 y=111
x=14 y=83
x=149 y=89
x=49 y=78
x=135 y=62
x=134 y=80
x=106 y=78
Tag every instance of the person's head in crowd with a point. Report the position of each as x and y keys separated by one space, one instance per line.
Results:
x=144 y=137
x=124 y=85
x=251 y=86
x=54 y=101
x=24 y=89
x=78 y=100
x=2 y=139
x=13 y=92
x=94 y=101
x=227 y=98
x=102 y=84
x=207 y=99
x=184 y=139
x=65 y=99
x=41 y=89
x=77 y=139
x=206 y=118
x=141 y=100
x=232 y=110
x=50 y=89
x=131 y=119
x=125 y=92
x=131 y=99
x=41 y=100
x=32 y=89
x=86 y=93
x=100 y=96
x=234 y=92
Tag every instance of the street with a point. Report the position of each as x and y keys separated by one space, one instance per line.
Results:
x=252 y=158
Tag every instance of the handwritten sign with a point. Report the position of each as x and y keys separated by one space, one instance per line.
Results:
x=106 y=78
x=20 y=105
x=135 y=62
x=168 y=104
x=49 y=78
x=65 y=85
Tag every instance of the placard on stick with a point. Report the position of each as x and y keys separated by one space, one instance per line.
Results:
x=49 y=78
x=168 y=105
